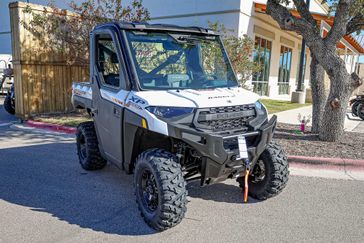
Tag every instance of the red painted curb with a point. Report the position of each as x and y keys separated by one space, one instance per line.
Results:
x=326 y=163
x=51 y=127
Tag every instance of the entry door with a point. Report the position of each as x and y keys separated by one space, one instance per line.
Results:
x=109 y=94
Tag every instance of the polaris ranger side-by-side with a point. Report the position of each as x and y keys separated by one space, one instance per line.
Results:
x=167 y=107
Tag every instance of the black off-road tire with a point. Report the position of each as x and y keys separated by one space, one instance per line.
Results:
x=361 y=111
x=354 y=108
x=88 y=147
x=8 y=106
x=275 y=177
x=171 y=188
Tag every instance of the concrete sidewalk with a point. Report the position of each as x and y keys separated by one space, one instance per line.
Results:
x=352 y=124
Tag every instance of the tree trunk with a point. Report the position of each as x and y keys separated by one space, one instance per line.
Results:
x=332 y=123
x=319 y=94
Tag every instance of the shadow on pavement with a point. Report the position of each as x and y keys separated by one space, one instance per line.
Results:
x=47 y=178
x=219 y=192
x=31 y=136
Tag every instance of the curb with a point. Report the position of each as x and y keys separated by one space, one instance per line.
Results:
x=51 y=127
x=326 y=163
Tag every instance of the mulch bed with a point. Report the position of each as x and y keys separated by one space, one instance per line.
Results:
x=308 y=144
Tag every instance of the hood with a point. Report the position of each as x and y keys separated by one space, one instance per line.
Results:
x=199 y=98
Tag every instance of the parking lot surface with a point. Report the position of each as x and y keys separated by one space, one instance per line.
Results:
x=45 y=196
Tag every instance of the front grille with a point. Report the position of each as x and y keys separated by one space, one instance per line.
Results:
x=228 y=118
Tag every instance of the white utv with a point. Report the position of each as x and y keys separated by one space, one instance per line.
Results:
x=167 y=107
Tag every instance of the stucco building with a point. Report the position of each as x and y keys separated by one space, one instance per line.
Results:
x=278 y=51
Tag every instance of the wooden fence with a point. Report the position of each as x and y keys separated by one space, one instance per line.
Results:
x=42 y=78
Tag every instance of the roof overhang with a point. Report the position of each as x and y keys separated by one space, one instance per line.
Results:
x=262 y=8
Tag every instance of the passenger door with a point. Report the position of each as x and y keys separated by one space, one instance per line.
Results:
x=110 y=90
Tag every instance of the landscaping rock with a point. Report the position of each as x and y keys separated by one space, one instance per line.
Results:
x=351 y=145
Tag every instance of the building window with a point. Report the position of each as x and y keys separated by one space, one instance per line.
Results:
x=261 y=55
x=298 y=67
x=285 y=62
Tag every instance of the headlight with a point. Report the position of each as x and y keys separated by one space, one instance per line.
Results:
x=258 y=105
x=169 y=112
x=260 y=108
x=262 y=116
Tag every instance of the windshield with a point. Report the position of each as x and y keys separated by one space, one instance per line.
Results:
x=180 y=61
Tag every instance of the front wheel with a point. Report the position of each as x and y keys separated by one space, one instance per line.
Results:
x=160 y=189
x=360 y=111
x=269 y=175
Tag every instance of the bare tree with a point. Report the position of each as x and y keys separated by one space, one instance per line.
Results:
x=240 y=51
x=349 y=18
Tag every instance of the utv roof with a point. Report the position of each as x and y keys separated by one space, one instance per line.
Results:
x=160 y=27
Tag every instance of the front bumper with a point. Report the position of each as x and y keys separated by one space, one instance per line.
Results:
x=219 y=153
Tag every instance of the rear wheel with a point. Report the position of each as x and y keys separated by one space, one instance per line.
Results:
x=361 y=111
x=354 y=108
x=88 y=147
x=9 y=104
x=269 y=175
x=160 y=189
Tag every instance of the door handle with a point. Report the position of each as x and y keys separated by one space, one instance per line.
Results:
x=116 y=112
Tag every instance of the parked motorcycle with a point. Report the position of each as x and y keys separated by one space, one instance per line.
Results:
x=360 y=110
x=9 y=102
x=359 y=99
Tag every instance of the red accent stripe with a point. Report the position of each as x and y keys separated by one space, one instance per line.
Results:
x=51 y=127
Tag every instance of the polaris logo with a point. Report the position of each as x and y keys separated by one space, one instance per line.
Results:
x=229 y=115
x=219 y=97
x=226 y=116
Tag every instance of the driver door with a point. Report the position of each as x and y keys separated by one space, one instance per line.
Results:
x=109 y=94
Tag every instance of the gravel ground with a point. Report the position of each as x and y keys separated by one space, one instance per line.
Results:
x=308 y=144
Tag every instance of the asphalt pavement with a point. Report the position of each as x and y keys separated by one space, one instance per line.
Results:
x=45 y=196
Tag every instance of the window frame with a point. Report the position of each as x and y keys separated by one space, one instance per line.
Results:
x=261 y=86
x=123 y=79
x=134 y=61
x=284 y=73
x=284 y=63
x=269 y=61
